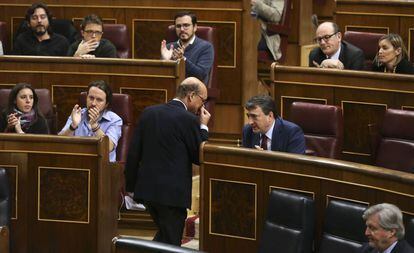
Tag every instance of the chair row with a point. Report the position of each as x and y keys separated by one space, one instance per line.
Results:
x=392 y=142
x=116 y=33
x=290 y=224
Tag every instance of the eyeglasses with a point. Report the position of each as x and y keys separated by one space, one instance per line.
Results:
x=184 y=26
x=96 y=33
x=324 y=38
x=204 y=100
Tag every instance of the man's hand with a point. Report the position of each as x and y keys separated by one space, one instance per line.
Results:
x=93 y=114
x=253 y=2
x=258 y=147
x=178 y=53
x=85 y=47
x=76 y=115
x=166 y=54
x=204 y=116
x=87 y=56
x=332 y=64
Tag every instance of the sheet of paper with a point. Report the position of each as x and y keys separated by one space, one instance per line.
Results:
x=130 y=204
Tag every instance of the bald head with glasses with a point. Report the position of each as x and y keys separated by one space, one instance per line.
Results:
x=332 y=52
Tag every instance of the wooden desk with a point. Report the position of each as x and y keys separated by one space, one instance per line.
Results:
x=149 y=82
x=381 y=16
x=63 y=193
x=235 y=186
x=363 y=96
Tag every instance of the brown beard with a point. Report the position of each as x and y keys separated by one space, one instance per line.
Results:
x=39 y=32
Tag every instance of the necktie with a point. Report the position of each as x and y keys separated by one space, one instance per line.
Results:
x=263 y=144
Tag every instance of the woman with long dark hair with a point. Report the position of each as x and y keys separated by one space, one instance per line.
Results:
x=22 y=114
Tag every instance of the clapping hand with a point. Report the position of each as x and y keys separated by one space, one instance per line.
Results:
x=166 y=53
x=76 y=116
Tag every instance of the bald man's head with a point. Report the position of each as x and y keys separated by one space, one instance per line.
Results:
x=328 y=37
x=193 y=93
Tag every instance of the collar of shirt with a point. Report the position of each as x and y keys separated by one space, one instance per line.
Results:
x=390 y=248
x=176 y=99
x=270 y=131
x=335 y=56
x=189 y=43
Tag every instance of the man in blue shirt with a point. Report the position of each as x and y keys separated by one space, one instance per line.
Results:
x=198 y=54
x=95 y=119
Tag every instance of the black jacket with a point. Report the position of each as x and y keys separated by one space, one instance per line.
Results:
x=165 y=144
x=401 y=247
x=351 y=56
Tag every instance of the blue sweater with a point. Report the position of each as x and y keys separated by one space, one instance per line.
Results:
x=199 y=59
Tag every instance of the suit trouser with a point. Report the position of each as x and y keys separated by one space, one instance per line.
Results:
x=170 y=221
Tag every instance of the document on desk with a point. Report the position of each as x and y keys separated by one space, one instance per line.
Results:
x=130 y=204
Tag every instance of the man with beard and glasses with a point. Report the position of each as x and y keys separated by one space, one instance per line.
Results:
x=39 y=39
x=198 y=54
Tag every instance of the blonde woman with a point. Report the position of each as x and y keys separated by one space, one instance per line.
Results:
x=392 y=56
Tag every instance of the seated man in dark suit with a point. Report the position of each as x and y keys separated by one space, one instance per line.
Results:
x=385 y=230
x=267 y=131
x=333 y=52
x=39 y=39
x=92 y=44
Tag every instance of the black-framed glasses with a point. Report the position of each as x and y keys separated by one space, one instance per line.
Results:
x=185 y=26
x=204 y=100
x=324 y=38
x=91 y=32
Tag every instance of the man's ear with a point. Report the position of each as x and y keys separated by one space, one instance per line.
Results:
x=339 y=34
x=195 y=27
x=271 y=114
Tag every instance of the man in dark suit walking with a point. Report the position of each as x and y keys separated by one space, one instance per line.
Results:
x=385 y=230
x=333 y=52
x=267 y=131
x=159 y=164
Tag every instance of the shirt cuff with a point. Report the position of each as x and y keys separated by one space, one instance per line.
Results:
x=205 y=127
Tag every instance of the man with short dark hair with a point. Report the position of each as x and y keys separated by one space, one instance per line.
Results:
x=385 y=230
x=198 y=54
x=39 y=39
x=96 y=119
x=92 y=44
x=158 y=172
x=267 y=131
x=333 y=52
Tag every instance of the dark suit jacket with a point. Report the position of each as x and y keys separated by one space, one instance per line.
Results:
x=401 y=247
x=352 y=57
x=286 y=137
x=199 y=59
x=159 y=164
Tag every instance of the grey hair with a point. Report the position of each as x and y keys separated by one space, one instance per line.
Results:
x=185 y=88
x=390 y=217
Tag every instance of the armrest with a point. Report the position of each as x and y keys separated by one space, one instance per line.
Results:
x=4 y=239
x=272 y=29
